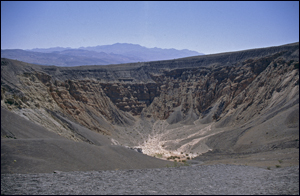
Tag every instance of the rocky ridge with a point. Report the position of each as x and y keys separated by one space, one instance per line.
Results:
x=241 y=102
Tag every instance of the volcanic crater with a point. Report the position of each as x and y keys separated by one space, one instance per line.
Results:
x=238 y=107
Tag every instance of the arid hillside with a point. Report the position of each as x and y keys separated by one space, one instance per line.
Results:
x=238 y=107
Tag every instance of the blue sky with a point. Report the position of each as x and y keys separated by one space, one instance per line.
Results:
x=206 y=27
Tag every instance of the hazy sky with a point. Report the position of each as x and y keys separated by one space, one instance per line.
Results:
x=206 y=27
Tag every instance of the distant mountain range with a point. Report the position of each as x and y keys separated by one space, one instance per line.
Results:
x=98 y=55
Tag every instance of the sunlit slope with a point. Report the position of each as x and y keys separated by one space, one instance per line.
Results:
x=238 y=102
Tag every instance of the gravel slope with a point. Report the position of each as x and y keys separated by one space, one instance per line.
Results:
x=30 y=148
x=200 y=179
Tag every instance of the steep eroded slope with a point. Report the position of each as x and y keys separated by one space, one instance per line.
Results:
x=240 y=102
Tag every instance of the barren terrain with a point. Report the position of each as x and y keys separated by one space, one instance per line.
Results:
x=238 y=108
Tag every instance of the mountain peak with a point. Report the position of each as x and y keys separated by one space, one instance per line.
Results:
x=117 y=53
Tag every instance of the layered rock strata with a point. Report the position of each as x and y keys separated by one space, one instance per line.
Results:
x=127 y=102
